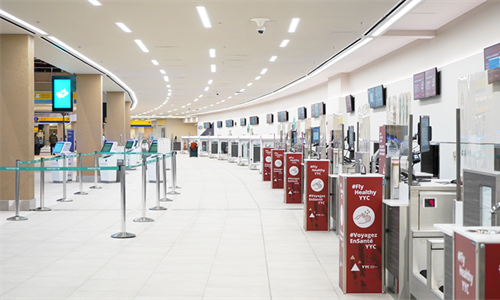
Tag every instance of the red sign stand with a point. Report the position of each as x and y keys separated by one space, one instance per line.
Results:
x=360 y=233
x=316 y=196
x=277 y=168
x=266 y=162
x=293 y=178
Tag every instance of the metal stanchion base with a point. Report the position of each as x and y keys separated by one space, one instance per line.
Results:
x=42 y=209
x=81 y=193
x=123 y=235
x=143 y=219
x=166 y=199
x=173 y=193
x=17 y=218
x=158 y=208
x=95 y=187
x=64 y=200
x=177 y=187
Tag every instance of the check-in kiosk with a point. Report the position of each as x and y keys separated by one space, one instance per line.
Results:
x=266 y=141
x=223 y=148
x=254 y=157
x=109 y=160
x=214 y=147
x=185 y=142
x=132 y=147
x=204 y=146
x=60 y=149
x=153 y=152
x=233 y=149
x=243 y=143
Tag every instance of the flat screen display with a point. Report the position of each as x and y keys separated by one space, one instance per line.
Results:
x=269 y=118
x=349 y=103
x=376 y=96
x=219 y=124
x=129 y=145
x=419 y=86
x=283 y=116
x=294 y=137
x=424 y=134
x=207 y=125
x=350 y=137
x=318 y=109
x=58 y=148
x=229 y=123
x=302 y=113
x=254 y=120
x=106 y=147
x=62 y=93
x=431 y=83
x=315 y=135
x=154 y=147
x=491 y=57
x=243 y=121
x=430 y=202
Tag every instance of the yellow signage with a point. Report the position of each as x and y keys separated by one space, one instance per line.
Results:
x=140 y=123
x=47 y=96
x=51 y=120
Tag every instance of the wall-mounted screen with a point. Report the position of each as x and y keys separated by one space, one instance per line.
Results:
x=349 y=103
x=315 y=135
x=424 y=133
x=254 y=120
x=376 y=96
x=243 y=121
x=302 y=113
x=207 y=125
x=219 y=124
x=419 y=86
x=492 y=57
x=318 y=109
x=426 y=84
x=62 y=93
x=269 y=118
x=283 y=116
x=229 y=123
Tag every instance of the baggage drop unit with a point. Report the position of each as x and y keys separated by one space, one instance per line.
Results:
x=109 y=160
x=254 y=160
x=213 y=143
x=158 y=147
x=243 y=144
x=266 y=141
x=223 y=148
x=203 y=146
x=132 y=146
x=62 y=149
x=232 y=149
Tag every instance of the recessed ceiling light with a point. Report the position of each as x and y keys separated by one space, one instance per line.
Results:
x=165 y=78
x=257 y=78
x=205 y=20
x=284 y=43
x=95 y=2
x=123 y=27
x=242 y=90
x=168 y=85
x=195 y=99
x=229 y=97
x=183 y=106
x=205 y=107
x=273 y=58
x=293 y=24
x=263 y=71
x=163 y=72
x=169 y=94
x=155 y=62
x=210 y=81
x=206 y=88
x=169 y=90
x=217 y=103
x=200 y=96
x=39 y=31
x=211 y=52
x=222 y=101
x=249 y=84
x=156 y=108
x=169 y=111
x=396 y=17
x=236 y=94
x=211 y=105
x=175 y=109
x=213 y=68
x=141 y=45
x=188 y=104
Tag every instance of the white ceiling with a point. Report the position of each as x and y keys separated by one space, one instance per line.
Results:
x=172 y=31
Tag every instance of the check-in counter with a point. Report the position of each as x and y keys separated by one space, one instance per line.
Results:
x=223 y=148
x=243 y=149
x=204 y=146
x=213 y=143
x=254 y=157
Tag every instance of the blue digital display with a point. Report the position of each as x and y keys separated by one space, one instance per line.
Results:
x=62 y=93
x=315 y=134
x=58 y=148
x=376 y=97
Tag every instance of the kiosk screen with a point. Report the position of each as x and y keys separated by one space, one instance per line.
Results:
x=107 y=147
x=129 y=145
x=154 y=147
x=57 y=148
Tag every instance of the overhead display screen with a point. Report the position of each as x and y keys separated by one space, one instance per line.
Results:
x=430 y=83
x=419 y=86
x=318 y=109
x=426 y=84
x=254 y=120
x=229 y=123
x=491 y=57
x=376 y=96
x=269 y=118
x=62 y=93
x=349 y=103
x=283 y=116
x=243 y=121
x=219 y=124
x=302 y=113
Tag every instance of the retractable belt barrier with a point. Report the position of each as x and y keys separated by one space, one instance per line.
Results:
x=121 y=169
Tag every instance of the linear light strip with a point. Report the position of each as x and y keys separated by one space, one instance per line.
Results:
x=396 y=17
x=123 y=27
x=17 y=20
x=141 y=45
x=95 y=2
x=293 y=25
x=205 y=20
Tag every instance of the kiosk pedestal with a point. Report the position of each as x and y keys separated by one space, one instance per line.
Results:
x=316 y=195
x=62 y=148
x=267 y=162
x=277 y=168
x=360 y=234
x=293 y=178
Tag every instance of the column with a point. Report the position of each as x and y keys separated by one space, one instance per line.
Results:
x=115 y=127
x=127 y=120
x=89 y=115
x=16 y=115
x=60 y=132
x=46 y=131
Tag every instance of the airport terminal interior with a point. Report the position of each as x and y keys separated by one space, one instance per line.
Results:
x=182 y=149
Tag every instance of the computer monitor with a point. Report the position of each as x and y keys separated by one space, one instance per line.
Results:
x=424 y=133
x=294 y=137
x=154 y=147
x=129 y=144
x=315 y=135
x=58 y=148
x=351 y=136
x=107 y=147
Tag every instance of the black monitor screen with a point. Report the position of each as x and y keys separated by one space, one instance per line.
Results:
x=243 y=121
x=58 y=148
x=219 y=124
x=315 y=135
x=350 y=137
x=154 y=147
x=269 y=118
x=254 y=120
x=294 y=137
x=376 y=96
x=491 y=57
x=302 y=113
x=129 y=144
x=349 y=103
x=283 y=116
x=229 y=123
x=106 y=147
x=424 y=133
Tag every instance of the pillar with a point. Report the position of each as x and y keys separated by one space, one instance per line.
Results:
x=17 y=82
x=89 y=115
x=47 y=132
x=127 y=120
x=60 y=134
x=115 y=127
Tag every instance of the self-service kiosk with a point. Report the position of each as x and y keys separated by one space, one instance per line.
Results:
x=132 y=147
x=60 y=149
x=153 y=152
x=109 y=160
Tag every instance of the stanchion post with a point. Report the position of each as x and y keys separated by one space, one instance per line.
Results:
x=143 y=218
x=164 y=170
x=95 y=186
x=80 y=179
x=123 y=233
x=65 y=178
x=173 y=170
x=158 y=206
x=17 y=217
x=42 y=188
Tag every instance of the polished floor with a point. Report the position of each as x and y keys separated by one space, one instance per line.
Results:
x=228 y=235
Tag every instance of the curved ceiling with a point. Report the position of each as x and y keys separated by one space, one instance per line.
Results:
x=175 y=37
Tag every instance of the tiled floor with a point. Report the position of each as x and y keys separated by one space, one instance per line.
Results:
x=228 y=235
